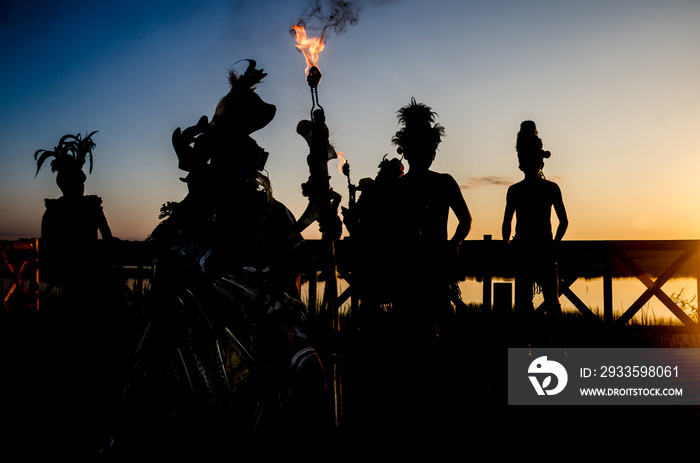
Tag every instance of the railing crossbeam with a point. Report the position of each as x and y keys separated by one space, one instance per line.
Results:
x=654 y=287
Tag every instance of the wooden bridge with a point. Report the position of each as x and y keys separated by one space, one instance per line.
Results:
x=653 y=263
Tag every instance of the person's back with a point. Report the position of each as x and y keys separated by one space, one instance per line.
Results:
x=532 y=200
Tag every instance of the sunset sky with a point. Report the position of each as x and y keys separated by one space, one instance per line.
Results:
x=612 y=85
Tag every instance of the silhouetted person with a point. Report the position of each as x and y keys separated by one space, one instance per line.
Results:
x=227 y=349
x=427 y=197
x=371 y=222
x=531 y=201
x=70 y=225
x=80 y=333
x=368 y=219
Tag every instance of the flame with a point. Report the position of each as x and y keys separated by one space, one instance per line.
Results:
x=310 y=47
x=342 y=161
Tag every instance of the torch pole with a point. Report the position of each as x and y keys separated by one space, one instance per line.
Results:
x=323 y=207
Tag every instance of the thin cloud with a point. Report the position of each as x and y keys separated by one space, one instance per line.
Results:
x=474 y=182
x=491 y=180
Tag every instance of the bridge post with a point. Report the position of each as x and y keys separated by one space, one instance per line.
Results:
x=487 y=273
x=607 y=286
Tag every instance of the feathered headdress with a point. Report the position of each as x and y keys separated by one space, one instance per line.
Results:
x=418 y=122
x=71 y=153
x=238 y=114
x=242 y=110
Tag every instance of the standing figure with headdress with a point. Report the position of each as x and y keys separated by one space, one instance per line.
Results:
x=426 y=199
x=227 y=348
x=81 y=335
x=70 y=225
x=531 y=201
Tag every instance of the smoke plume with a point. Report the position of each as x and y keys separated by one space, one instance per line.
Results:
x=329 y=16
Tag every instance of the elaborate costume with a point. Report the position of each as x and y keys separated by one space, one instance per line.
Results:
x=227 y=347
x=82 y=338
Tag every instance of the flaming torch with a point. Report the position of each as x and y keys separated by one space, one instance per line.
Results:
x=311 y=47
x=323 y=201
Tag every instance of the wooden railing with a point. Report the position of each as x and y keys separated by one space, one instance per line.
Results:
x=21 y=258
x=653 y=263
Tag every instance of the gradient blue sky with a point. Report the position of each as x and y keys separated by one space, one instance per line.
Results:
x=612 y=86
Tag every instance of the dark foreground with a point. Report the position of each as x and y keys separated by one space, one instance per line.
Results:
x=398 y=391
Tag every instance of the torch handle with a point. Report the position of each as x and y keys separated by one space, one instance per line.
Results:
x=317 y=113
x=313 y=78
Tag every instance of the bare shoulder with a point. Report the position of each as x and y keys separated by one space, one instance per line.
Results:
x=444 y=179
x=552 y=186
x=517 y=186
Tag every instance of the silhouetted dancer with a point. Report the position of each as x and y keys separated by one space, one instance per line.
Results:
x=80 y=333
x=227 y=349
x=413 y=213
x=371 y=222
x=531 y=201
x=426 y=263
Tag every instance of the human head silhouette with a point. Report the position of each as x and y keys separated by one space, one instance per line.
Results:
x=71 y=153
x=389 y=169
x=222 y=154
x=71 y=181
x=225 y=142
x=419 y=137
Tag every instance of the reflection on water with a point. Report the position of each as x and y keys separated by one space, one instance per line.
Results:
x=625 y=292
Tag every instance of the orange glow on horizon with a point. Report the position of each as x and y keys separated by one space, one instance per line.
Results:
x=310 y=47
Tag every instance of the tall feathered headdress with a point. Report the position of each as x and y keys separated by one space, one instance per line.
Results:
x=71 y=153
x=418 y=122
